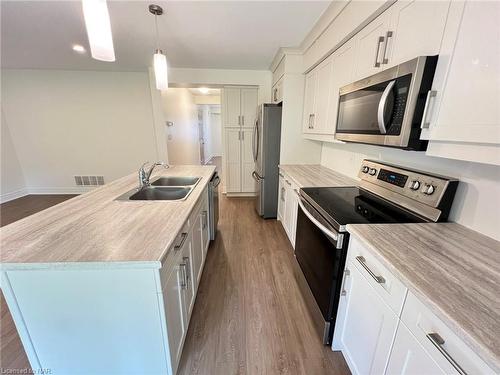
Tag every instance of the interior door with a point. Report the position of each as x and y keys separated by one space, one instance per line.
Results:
x=233 y=160
x=247 y=162
x=249 y=100
x=232 y=106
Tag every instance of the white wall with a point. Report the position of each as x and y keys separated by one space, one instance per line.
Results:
x=179 y=108
x=478 y=196
x=12 y=184
x=66 y=123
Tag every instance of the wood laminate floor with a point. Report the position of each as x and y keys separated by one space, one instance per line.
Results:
x=12 y=354
x=249 y=316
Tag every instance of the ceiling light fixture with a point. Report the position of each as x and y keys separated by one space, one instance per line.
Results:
x=96 y=15
x=78 y=48
x=204 y=90
x=159 y=59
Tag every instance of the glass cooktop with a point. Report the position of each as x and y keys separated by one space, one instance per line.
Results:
x=351 y=205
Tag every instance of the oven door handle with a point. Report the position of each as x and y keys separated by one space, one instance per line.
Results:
x=334 y=236
x=382 y=107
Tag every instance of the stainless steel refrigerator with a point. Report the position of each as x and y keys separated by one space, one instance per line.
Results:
x=266 y=154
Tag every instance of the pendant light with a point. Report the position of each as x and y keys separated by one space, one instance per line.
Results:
x=96 y=15
x=159 y=59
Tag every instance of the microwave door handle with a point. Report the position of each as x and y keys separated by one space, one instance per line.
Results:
x=334 y=236
x=382 y=107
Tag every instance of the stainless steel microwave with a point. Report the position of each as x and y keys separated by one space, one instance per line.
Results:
x=387 y=108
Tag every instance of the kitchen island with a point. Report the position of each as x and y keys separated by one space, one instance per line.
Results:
x=101 y=286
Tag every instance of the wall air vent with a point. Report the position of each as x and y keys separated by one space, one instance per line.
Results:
x=89 y=180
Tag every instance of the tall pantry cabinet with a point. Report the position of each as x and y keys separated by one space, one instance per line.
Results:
x=239 y=108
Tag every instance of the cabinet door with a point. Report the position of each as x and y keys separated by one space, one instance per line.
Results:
x=205 y=230
x=309 y=98
x=233 y=160
x=281 y=199
x=465 y=108
x=416 y=29
x=188 y=255
x=368 y=325
x=322 y=96
x=198 y=251
x=408 y=357
x=369 y=46
x=175 y=313
x=247 y=162
x=342 y=74
x=232 y=107
x=291 y=208
x=249 y=100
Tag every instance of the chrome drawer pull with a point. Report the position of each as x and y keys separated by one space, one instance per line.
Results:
x=438 y=342
x=362 y=261
x=183 y=239
x=342 y=287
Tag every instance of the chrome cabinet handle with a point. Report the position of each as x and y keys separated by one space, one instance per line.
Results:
x=275 y=94
x=283 y=194
x=242 y=120
x=187 y=269
x=362 y=261
x=379 y=42
x=204 y=219
x=309 y=125
x=183 y=239
x=425 y=124
x=388 y=35
x=438 y=342
x=182 y=267
x=313 y=118
x=281 y=174
x=288 y=182
x=342 y=287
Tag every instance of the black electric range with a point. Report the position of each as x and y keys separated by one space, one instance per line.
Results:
x=386 y=194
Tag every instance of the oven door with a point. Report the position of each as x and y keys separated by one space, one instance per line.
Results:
x=321 y=254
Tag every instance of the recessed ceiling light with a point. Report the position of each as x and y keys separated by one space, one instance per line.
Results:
x=78 y=48
x=204 y=90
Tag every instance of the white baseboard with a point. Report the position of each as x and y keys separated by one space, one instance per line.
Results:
x=13 y=195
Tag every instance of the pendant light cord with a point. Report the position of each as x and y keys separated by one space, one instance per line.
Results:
x=157 y=34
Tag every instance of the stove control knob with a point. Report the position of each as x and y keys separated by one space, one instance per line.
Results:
x=365 y=169
x=428 y=189
x=372 y=172
x=415 y=185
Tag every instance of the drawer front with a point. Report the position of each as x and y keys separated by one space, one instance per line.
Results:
x=168 y=262
x=392 y=291
x=443 y=345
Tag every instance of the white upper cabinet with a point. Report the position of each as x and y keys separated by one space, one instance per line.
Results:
x=464 y=114
x=240 y=106
x=232 y=106
x=415 y=29
x=342 y=74
x=309 y=97
x=249 y=101
x=370 y=46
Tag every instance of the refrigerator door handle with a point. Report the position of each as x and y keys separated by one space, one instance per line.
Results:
x=256 y=176
x=255 y=140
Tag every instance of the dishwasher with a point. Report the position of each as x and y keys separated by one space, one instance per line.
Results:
x=213 y=204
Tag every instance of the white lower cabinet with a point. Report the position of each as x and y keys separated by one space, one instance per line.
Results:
x=365 y=325
x=382 y=328
x=288 y=206
x=408 y=357
x=175 y=311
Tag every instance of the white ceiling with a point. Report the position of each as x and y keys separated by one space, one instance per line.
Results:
x=204 y=34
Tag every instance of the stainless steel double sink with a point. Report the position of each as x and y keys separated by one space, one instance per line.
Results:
x=168 y=188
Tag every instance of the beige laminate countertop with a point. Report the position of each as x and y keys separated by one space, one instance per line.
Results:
x=94 y=227
x=315 y=175
x=453 y=270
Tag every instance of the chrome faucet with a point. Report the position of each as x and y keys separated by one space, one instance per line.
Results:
x=145 y=175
